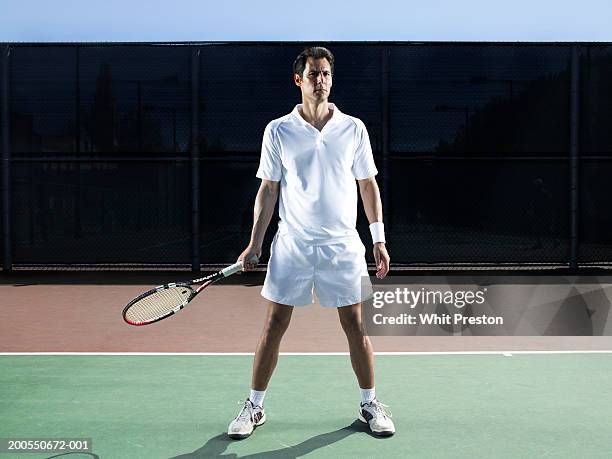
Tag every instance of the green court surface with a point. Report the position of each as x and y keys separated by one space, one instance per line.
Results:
x=166 y=406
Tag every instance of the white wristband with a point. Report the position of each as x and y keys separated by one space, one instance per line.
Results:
x=377 y=230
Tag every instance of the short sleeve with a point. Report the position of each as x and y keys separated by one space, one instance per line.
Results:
x=270 y=165
x=363 y=161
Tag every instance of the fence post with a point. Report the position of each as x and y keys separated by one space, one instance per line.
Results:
x=80 y=204
x=387 y=214
x=7 y=259
x=574 y=156
x=195 y=159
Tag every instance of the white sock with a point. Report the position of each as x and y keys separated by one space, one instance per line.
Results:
x=367 y=395
x=257 y=397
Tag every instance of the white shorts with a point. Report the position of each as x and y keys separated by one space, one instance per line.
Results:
x=297 y=269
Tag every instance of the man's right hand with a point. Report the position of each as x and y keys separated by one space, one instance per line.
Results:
x=249 y=258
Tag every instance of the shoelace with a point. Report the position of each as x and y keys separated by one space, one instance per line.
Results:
x=246 y=412
x=380 y=408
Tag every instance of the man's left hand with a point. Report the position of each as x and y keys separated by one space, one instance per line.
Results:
x=381 y=257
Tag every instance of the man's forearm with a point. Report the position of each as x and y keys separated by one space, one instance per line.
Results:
x=265 y=201
x=370 y=195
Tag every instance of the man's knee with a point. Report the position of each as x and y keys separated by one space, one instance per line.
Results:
x=277 y=321
x=351 y=322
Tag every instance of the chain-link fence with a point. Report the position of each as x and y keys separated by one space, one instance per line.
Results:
x=145 y=154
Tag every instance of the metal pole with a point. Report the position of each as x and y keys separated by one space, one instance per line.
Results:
x=387 y=216
x=77 y=108
x=195 y=160
x=7 y=261
x=574 y=156
x=467 y=130
x=79 y=187
x=139 y=84
x=174 y=129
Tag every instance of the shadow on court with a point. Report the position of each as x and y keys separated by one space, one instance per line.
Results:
x=78 y=453
x=216 y=446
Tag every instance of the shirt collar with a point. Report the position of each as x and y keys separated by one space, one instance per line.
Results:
x=298 y=117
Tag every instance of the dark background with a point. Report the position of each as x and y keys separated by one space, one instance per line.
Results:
x=137 y=154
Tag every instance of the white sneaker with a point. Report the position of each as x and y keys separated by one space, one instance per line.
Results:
x=249 y=417
x=374 y=414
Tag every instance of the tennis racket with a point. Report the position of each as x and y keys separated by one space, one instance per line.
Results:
x=166 y=300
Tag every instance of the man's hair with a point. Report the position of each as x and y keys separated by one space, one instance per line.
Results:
x=316 y=52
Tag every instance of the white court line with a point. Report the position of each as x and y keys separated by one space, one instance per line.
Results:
x=504 y=353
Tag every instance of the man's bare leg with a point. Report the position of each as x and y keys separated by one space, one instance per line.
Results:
x=266 y=355
x=252 y=413
x=362 y=355
x=371 y=411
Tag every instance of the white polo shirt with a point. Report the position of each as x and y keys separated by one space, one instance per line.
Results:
x=317 y=172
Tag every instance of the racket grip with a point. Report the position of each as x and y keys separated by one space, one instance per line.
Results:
x=233 y=269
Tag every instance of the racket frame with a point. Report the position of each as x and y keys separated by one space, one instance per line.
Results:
x=206 y=281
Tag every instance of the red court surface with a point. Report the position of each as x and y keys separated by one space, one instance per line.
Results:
x=81 y=312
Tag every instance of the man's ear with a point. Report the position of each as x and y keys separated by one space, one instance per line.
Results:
x=297 y=79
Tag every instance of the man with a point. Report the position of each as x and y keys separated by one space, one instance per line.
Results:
x=312 y=157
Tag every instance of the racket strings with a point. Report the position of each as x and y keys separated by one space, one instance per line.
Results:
x=158 y=304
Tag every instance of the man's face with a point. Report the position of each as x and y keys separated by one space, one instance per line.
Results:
x=316 y=82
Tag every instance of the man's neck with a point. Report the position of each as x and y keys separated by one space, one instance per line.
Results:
x=316 y=114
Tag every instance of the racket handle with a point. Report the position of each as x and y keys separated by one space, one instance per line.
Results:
x=233 y=269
